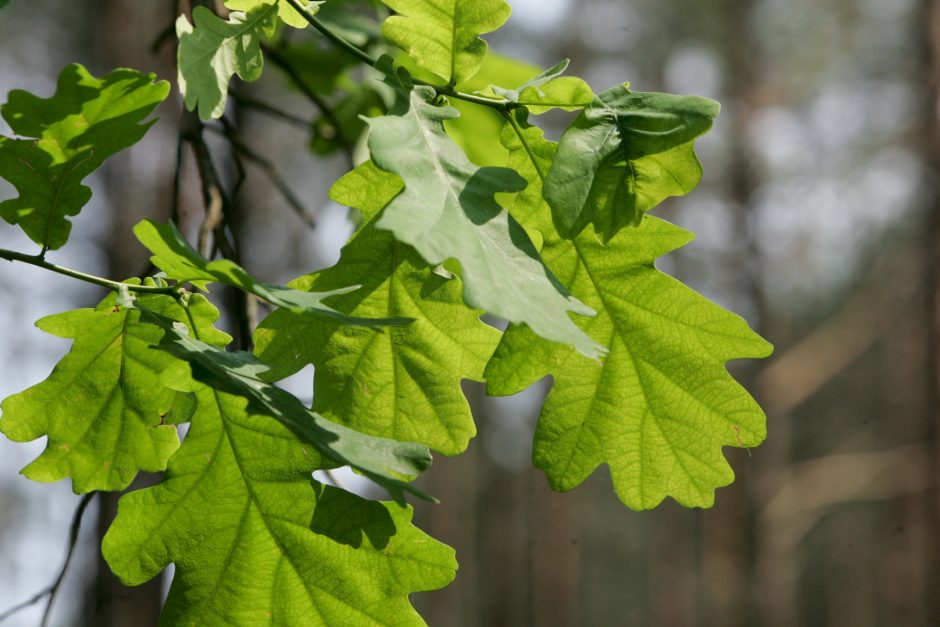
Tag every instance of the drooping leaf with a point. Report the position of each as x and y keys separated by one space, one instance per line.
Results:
x=257 y=542
x=104 y=409
x=448 y=211
x=390 y=463
x=404 y=383
x=285 y=11
x=548 y=90
x=69 y=136
x=213 y=50
x=443 y=36
x=661 y=406
x=181 y=262
x=622 y=156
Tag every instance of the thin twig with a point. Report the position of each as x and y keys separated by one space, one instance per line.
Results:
x=262 y=107
x=52 y=590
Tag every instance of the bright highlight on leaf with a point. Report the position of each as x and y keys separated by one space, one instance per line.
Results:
x=213 y=50
x=256 y=541
x=661 y=406
x=105 y=409
x=443 y=36
x=285 y=11
x=448 y=211
x=404 y=383
x=69 y=136
x=181 y=262
x=624 y=155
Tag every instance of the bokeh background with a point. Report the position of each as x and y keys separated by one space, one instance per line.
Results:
x=817 y=220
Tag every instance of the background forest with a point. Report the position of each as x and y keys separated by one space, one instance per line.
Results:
x=817 y=220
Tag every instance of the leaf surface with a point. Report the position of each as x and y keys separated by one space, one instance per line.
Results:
x=548 y=90
x=447 y=210
x=443 y=36
x=661 y=406
x=257 y=542
x=69 y=136
x=104 y=409
x=213 y=50
x=181 y=262
x=622 y=156
x=404 y=383
x=285 y=11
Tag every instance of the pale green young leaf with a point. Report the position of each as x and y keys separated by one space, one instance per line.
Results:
x=390 y=463
x=443 y=36
x=285 y=11
x=548 y=90
x=67 y=137
x=104 y=409
x=661 y=405
x=404 y=383
x=213 y=50
x=448 y=211
x=182 y=263
x=257 y=542
x=622 y=156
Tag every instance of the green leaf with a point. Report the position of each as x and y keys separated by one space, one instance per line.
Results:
x=661 y=406
x=4 y=3
x=213 y=51
x=350 y=112
x=448 y=211
x=257 y=542
x=443 y=36
x=104 y=409
x=181 y=262
x=404 y=383
x=70 y=136
x=389 y=463
x=548 y=90
x=285 y=11
x=624 y=155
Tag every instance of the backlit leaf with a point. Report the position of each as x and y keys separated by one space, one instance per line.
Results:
x=548 y=90
x=285 y=11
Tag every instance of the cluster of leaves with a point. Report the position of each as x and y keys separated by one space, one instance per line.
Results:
x=553 y=238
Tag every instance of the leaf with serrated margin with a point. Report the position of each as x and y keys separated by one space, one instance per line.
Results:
x=661 y=406
x=213 y=50
x=257 y=542
x=448 y=211
x=390 y=463
x=70 y=136
x=182 y=263
x=404 y=383
x=104 y=409
x=622 y=156
x=285 y=11
x=443 y=36
x=548 y=90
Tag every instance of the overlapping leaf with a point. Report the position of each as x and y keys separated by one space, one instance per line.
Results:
x=404 y=383
x=448 y=211
x=661 y=405
x=104 y=409
x=285 y=11
x=69 y=136
x=622 y=156
x=181 y=262
x=443 y=36
x=213 y=50
x=548 y=90
x=390 y=463
x=257 y=542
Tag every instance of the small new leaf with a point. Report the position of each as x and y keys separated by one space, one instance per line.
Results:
x=443 y=36
x=622 y=156
x=257 y=542
x=105 y=410
x=548 y=90
x=181 y=262
x=404 y=383
x=214 y=50
x=448 y=211
x=285 y=11
x=70 y=136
